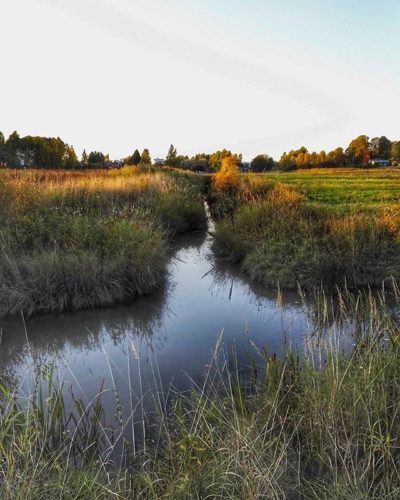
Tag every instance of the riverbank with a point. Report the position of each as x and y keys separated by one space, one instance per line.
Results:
x=312 y=228
x=80 y=240
x=324 y=426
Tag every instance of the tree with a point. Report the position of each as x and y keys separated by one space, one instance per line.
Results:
x=2 y=149
x=96 y=159
x=380 y=147
x=337 y=157
x=145 y=157
x=172 y=157
x=135 y=158
x=358 y=150
x=70 y=158
x=395 y=151
x=295 y=158
x=216 y=158
x=261 y=163
x=84 y=160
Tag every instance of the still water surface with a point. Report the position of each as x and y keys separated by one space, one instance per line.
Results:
x=142 y=348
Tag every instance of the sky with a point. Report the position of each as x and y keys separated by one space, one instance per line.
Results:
x=252 y=76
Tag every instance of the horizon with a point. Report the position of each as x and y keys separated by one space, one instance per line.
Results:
x=115 y=77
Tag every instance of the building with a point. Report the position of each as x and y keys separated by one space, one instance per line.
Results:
x=159 y=162
x=379 y=163
x=115 y=164
x=244 y=166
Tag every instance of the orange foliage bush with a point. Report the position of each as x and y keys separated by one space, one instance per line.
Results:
x=227 y=179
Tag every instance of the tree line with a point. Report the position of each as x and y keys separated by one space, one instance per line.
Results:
x=51 y=152
x=54 y=153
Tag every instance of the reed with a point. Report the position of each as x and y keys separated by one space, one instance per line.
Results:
x=318 y=423
x=282 y=238
x=79 y=240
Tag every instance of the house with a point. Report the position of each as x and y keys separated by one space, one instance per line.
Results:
x=244 y=166
x=379 y=163
x=115 y=164
x=159 y=162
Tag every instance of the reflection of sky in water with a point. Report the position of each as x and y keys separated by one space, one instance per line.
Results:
x=173 y=333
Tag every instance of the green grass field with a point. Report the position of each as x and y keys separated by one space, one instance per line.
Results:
x=344 y=190
x=329 y=227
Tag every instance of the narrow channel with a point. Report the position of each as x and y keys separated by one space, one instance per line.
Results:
x=157 y=340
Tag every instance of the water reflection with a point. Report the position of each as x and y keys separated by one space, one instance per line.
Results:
x=140 y=348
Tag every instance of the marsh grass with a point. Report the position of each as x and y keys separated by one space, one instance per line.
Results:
x=318 y=423
x=79 y=240
x=282 y=238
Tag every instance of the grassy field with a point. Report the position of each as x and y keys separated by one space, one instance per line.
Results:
x=345 y=190
x=77 y=240
x=331 y=227
x=319 y=426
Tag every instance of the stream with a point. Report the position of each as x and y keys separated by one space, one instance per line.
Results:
x=168 y=338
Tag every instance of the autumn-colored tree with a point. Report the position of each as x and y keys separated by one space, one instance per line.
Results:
x=395 y=151
x=337 y=157
x=84 y=160
x=226 y=185
x=145 y=157
x=216 y=158
x=358 y=150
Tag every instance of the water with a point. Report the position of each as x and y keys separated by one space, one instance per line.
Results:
x=169 y=337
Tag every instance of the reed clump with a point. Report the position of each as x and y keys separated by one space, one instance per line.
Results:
x=79 y=240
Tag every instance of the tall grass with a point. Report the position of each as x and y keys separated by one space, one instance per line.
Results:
x=323 y=423
x=78 y=240
x=283 y=240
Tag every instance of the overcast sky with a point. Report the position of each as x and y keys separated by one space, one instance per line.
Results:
x=254 y=76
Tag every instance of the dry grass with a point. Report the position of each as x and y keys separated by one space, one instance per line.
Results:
x=78 y=240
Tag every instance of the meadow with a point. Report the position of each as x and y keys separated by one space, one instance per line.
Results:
x=316 y=227
x=317 y=423
x=73 y=240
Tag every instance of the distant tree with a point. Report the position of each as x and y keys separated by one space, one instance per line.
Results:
x=296 y=158
x=135 y=158
x=70 y=159
x=337 y=157
x=145 y=157
x=2 y=149
x=200 y=165
x=171 y=159
x=216 y=158
x=261 y=163
x=322 y=159
x=96 y=159
x=395 y=151
x=12 y=146
x=358 y=150
x=84 y=159
x=380 y=147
